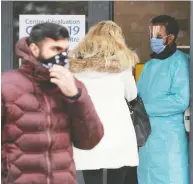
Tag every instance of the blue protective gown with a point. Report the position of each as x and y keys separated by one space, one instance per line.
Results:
x=164 y=88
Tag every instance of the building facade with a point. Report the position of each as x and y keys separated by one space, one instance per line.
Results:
x=132 y=16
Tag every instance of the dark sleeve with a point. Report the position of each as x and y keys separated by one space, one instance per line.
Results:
x=86 y=127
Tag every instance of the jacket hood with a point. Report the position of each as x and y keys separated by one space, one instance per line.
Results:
x=30 y=65
x=23 y=51
x=111 y=65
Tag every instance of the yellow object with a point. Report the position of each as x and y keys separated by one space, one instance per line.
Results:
x=138 y=70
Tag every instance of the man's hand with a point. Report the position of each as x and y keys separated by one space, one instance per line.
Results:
x=64 y=79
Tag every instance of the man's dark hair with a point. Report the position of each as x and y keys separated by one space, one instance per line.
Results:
x=47 y=30
x=169 y=22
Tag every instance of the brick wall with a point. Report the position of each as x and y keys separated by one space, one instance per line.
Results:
x=134 y=17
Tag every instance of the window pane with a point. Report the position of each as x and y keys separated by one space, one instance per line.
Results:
x=134 y=18
x=42 y=7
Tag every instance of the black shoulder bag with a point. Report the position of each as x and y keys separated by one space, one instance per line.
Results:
x=140 y=120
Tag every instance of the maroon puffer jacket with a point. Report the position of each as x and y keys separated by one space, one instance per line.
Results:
x=39 y=125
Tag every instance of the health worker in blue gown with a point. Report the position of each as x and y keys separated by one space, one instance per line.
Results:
x=164 y=88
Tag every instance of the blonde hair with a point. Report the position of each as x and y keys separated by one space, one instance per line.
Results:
x=105 y=40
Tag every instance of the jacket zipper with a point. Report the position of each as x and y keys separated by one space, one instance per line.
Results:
x=8 y=167
x=49 y=139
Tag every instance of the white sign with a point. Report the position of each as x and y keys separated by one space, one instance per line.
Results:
x=74 y=23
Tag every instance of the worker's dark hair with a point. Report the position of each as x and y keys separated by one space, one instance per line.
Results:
x=47 y=30
x=169 y=22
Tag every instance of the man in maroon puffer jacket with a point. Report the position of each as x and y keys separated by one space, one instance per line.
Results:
x=44 y=111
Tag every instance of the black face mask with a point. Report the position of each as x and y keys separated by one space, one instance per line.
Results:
x=60 y=59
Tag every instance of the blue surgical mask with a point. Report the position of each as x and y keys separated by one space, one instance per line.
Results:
x=157 y=45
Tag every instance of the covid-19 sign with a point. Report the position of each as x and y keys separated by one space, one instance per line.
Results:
x=74 y=23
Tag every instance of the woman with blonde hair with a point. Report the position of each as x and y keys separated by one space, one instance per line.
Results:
x=104 y=64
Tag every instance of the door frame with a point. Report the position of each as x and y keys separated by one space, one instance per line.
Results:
x=97 y=11
x=94 y=7
x=6 y=35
